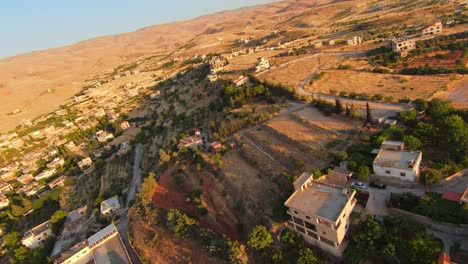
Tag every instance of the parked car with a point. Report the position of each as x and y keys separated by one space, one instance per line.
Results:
x=359 y=185
x=379 y=185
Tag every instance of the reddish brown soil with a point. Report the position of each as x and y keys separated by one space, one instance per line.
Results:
x=169 y=196
x=448 y=61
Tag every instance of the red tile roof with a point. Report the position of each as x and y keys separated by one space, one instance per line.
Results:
x=452 y=196
x=443 y=258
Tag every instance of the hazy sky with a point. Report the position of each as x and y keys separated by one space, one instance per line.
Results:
x=27 y=25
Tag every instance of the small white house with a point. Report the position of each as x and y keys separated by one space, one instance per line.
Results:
x=4 y=202
x=110 y=206
x=34 y=237
x=394 y=161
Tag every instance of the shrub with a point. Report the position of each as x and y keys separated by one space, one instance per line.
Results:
x=259 y=238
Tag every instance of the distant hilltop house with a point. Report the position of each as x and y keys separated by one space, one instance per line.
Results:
x=60 y=181
x=25 y=178
x=155 y=95
x=45 y=174
x=4 y=202
x=79 y=99
x=262 y=65
x=242 y=80
x=103 y=136
x=393 y=161
x=433 y=29
x=110 y=206
x=34 y=237
x=403 y=44
x=356 y=40
x=217 y=63
x=85 y=163
x=31 y=189
x=5 y=187
x=321 y=213
x=191 y=141
x=125 y=125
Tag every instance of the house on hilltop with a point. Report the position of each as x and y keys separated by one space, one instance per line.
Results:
x=394 y=161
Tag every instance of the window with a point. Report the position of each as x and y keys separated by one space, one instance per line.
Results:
x=388 y=172
x=323 y=232
x=402 y=174
x=300 y=229
x=310 y=226
x=326 y=241
x=312 y=234
x=308 y=217
x=344 y=215
x=298 y=221
x=296 y=212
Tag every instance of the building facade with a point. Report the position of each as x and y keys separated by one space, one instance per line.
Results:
x=320 y=213
x=34 y=237
x=433 y=29
x=393 y=161
x=401 y=44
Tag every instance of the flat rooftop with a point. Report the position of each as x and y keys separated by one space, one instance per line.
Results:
x=320 y=199
x=38 y=229
x=109 y=203
x=399 y=158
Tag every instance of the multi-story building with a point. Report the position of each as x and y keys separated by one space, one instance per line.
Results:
x=393 y=161
x=106 y=246
x=401 y=44
x=262 y=64
x=356 y=40
x=25 y=178
x=320 y=213
x=34 y=237
x=433 y=29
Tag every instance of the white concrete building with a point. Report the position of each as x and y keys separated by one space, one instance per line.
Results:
x=433 y=29
x=320 y=213
x=393 y=161
x=401 y=44
x=85 y=163
x=5 y=187
x=106 y=246
x=262 y=64
x=34 y=237
x=356 y=40
x=110 y=206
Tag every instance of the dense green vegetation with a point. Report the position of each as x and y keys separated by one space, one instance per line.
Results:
x=290 y=248
x=438 y=129
x=394 y=241
x=431 y=205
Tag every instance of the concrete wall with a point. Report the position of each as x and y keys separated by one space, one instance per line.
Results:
x=395 y=173
x=427 y=222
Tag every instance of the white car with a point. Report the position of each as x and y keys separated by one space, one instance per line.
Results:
x=359 y=185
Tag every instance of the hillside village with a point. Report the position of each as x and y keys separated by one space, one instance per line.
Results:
x=340 y=140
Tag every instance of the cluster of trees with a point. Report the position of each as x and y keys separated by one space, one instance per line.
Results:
x=384 y=56
x=144 y=204
x=437 y=125
x=431 y=205
x=236 y=97
x=291 y=247
x=328 y=108
x=428 y=70
x=218 y=246
x=451 y=42
x=395 y=240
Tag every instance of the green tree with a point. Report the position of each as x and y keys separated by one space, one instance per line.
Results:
x=348 y=111
x=260 y=238
x=432 y=176
x=12 y=239
x=340 y=156
x=338 y=106
x=306 y=256
x=164 y=157
x=363 y=172
x=408 y=118
x=368 y=113
x=412 y=142
x=57 y=220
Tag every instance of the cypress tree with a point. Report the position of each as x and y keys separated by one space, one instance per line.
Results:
x=369 y=115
